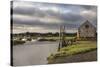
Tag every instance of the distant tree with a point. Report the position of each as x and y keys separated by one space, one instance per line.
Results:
x=56 y=34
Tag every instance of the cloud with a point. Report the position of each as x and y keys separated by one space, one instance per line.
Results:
x=90 y=15
x=49 y=16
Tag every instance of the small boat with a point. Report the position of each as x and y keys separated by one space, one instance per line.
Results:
x=24 y=39
x=33 y=40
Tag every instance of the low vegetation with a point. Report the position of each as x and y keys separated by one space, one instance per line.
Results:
x=54 y=38
x=17 y=42
x=46 y=40
x=80 y=47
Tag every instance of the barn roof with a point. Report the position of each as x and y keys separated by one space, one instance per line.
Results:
x=88 y=23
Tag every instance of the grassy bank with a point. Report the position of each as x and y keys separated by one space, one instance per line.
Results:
x=54 y=38
x=47 y=40
x=17 y=42
x=80 y=47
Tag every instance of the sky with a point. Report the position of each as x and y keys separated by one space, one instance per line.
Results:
x=48 y=17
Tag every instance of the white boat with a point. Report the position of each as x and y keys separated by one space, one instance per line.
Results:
x=39 y=38
x=34 y=40
x=24 y=39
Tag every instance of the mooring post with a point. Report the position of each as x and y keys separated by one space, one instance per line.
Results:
x=61 y=37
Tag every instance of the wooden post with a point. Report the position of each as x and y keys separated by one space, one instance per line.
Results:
x=77 y=35
x=61 y=37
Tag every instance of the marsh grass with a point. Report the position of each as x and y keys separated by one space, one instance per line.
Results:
x=80 y=47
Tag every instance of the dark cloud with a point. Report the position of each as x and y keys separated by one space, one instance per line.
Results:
x=46 y=25
x=87 y=7
x=69 y=15
x=28 y=11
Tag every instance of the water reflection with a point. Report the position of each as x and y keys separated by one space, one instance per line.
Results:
x=33 y=53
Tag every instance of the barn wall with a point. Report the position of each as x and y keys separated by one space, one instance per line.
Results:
x=87 y=32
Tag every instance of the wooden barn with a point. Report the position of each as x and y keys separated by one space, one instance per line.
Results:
x=87 y=30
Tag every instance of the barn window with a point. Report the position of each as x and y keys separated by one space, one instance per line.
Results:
x=86 y=26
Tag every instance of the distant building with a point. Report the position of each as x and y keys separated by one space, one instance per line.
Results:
x=86 y=30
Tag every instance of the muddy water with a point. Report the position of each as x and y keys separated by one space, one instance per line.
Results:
x=33 y=53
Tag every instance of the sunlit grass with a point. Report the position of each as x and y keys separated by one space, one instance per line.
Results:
x=80 y=47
